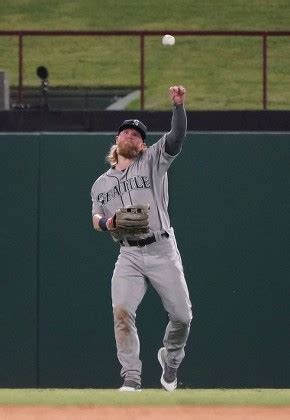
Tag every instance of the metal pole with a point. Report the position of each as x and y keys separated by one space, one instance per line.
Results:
x=264 y=72
x=20 y=66
x=142 y=74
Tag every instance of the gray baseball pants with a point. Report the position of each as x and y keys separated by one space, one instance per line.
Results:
x=160 y=264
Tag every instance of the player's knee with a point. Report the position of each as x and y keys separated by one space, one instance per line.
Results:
x=182 y=318
x=122 y=317
x=120 y=313
x=185 y=321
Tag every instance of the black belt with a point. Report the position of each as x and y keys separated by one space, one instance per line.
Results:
x=146 y=241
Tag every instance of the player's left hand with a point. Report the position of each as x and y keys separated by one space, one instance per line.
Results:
x=177 y=94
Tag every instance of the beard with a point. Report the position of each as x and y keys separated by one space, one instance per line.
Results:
x=127 y=150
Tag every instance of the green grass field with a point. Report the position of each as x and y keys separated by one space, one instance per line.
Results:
x=219 y=73
x=65 y=397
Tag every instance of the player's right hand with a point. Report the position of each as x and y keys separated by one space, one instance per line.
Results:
x=177 y=94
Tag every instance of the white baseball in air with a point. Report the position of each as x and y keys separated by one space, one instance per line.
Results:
x=168 y=40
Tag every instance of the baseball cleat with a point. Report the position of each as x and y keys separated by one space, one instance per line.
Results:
x=168 y=378
x=130 y=386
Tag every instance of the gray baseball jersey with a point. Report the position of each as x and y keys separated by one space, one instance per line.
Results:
x=143 y=182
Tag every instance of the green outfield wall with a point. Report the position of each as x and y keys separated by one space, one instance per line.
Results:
x=230 y=207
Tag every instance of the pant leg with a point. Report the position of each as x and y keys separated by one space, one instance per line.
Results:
x=128 y=289
x=166 y=275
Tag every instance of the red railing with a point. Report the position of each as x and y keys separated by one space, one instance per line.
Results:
x=142 y=34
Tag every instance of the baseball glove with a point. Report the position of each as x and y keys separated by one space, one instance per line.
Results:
x=131 y=220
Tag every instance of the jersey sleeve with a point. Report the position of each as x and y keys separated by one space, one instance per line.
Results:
x=96 y=205
x=160 y=159
x=166 y=149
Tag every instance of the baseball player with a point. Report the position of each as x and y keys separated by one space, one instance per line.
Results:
x=130 y=202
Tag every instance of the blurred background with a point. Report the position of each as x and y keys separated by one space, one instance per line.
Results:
x=93 y=71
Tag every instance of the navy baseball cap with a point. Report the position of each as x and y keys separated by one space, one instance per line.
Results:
x=136 y=124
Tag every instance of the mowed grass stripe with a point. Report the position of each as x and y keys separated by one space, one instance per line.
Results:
x=108 y=397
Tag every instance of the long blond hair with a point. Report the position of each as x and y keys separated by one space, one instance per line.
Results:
x=112 y=156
